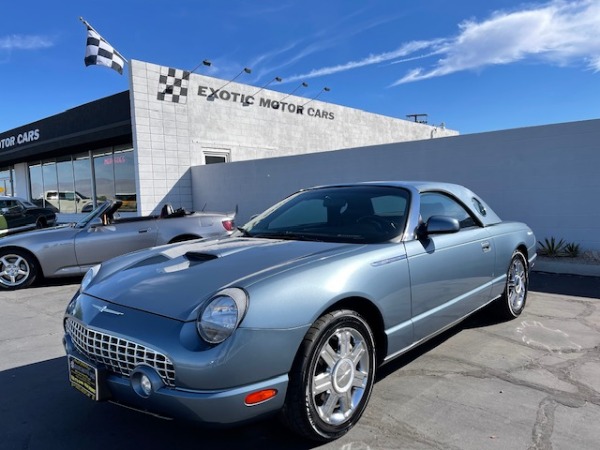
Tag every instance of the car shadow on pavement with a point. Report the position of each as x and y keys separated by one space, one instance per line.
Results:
x=47 y=282
x=560 y=284
x=38 y=409
x=484 y=317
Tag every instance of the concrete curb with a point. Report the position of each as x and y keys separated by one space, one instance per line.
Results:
x=551 y=265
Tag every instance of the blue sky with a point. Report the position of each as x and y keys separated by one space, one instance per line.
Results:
x=474 y=65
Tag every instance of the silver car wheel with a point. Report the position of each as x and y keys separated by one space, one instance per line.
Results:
x=340 y=376
x=332 y=377
x=517 y=284
x=16 y=270
x=513 y=300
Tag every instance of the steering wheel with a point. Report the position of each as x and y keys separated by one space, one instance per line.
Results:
x=380 y=223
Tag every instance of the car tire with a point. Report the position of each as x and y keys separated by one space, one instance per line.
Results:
x=18 y=269
x=513 y=299
x=332 y=377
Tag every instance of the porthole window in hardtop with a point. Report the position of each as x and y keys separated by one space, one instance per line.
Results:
x=438 y=204
x=479 y=207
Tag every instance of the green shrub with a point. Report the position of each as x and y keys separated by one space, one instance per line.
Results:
x=550 y=247
x=572 y=249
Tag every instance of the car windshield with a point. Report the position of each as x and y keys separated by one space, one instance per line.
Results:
x=361 y=214
x=102 y=207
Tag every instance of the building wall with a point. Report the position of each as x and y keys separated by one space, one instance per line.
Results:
x=176 y=121
x=546 y=176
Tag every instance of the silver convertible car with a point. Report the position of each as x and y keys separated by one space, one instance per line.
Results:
x=294 y=312
x=71 y=249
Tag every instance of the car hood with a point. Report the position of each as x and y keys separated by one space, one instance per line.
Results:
x=174 y=280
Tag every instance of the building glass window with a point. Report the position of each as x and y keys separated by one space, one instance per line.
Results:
x=49 y=177
x=70 y=184
x=82 y=172
x=104 y=174
x=6 y=180
x=124 y=170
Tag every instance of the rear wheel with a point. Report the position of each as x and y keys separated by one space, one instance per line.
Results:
x=332 y=378
x=513 y=300
x=17 y=269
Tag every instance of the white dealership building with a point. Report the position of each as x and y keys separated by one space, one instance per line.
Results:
x=140 y=145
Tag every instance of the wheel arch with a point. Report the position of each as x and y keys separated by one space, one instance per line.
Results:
x=369 y=311
x=523 y=249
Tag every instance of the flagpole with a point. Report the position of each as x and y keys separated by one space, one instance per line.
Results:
x=86 y=23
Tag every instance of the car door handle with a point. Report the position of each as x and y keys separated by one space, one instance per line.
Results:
x=485 y=246
x=145 y=230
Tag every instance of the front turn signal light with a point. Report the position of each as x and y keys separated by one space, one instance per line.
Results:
x=260 y=396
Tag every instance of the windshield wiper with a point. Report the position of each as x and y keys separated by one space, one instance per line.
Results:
x=245 y=233
x=290 y=235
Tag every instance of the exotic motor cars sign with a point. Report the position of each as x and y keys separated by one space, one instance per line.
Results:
x=249 y=100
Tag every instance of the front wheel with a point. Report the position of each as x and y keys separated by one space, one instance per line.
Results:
x=17 y=269
x=332 y=378
x=512 y=301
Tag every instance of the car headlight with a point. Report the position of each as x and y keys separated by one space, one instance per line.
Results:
x=222 y=315
x=89 y=276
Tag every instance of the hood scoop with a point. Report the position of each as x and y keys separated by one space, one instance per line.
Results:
x=198 y=257
x=156 y=259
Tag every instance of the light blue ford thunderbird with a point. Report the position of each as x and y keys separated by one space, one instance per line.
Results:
x=294 y=312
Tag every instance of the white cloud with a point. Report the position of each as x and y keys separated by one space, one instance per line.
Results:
x=21 y=42
x=401 y=52
x=559 y=32
x=324 y=39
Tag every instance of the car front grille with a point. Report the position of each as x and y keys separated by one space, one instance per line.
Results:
x=117 y=354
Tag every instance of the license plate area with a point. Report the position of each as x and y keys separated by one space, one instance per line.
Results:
x=87 y=379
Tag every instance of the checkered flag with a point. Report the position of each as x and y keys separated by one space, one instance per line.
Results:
x=100 y=53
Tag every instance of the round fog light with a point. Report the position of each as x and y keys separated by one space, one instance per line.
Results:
x=145 y=381
x=146 y=385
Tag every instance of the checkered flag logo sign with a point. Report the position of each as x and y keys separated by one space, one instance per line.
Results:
x=173 y=85
x=98 y=52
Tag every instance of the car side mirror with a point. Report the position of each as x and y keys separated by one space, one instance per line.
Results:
x=439 y=225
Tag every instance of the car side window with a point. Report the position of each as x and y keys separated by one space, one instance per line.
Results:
x=437 y=204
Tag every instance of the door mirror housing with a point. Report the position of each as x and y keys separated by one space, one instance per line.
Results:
x=439 y=225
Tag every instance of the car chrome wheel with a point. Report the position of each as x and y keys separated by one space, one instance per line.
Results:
x=16 y=270
x=333 y=377
x=514 y=297
x=340 y=376
x=516 y=284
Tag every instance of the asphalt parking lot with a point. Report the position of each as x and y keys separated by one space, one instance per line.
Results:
x=531 y=383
